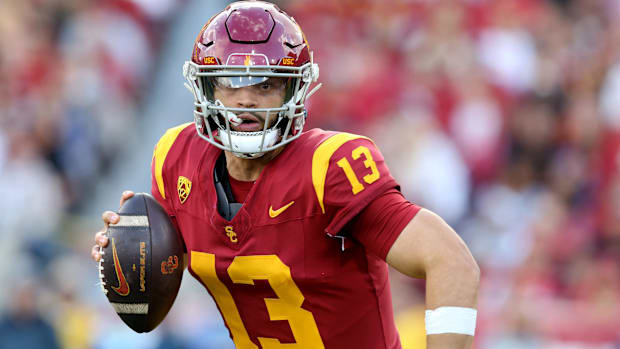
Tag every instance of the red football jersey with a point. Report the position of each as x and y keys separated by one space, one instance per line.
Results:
x=279 y=271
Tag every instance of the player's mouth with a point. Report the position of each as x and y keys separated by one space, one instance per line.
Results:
x=249 y=123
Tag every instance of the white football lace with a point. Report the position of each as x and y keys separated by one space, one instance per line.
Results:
x=101 y=276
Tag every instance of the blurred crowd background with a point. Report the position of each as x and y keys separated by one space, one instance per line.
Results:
x=501 y=115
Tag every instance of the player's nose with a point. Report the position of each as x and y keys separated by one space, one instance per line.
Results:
x=246 y=97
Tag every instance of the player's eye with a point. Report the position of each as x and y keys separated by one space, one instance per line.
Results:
x=271 y=84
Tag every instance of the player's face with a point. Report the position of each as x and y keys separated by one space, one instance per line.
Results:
x=267 y=94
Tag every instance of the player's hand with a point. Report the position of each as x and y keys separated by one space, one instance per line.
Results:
x=101 y=239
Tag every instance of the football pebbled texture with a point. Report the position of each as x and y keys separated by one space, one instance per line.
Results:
x=142 y=265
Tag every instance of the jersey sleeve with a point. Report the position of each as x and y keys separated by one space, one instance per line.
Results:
x=160 y=186
x=160 y=155
x=157 y=193
x=348 y=172
x=164 y=203
x=381 y=222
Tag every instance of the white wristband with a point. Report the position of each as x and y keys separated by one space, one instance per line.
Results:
x=451 y=320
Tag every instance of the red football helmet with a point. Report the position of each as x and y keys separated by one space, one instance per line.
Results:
x=246 y=44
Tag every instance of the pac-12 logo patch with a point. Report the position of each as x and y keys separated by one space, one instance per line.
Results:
x=184 y=186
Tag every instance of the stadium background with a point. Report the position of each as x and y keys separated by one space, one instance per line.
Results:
x=503 y=116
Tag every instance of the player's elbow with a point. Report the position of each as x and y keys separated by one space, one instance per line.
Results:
x=475 y=271
x=468 y=269
x=451 y=261
x=459 y=271
x=459 y=263
x=429 y=248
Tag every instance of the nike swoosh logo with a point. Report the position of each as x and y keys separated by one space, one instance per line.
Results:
x=123 y=286
x=274 y=213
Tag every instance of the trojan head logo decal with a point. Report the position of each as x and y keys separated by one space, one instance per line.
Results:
x=184 y=186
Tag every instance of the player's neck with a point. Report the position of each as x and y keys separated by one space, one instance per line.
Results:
x=248 y=169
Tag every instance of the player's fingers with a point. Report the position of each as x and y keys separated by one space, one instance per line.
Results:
x=125 y=196
x=101 y=239
x=110 y=217
x=95 y=254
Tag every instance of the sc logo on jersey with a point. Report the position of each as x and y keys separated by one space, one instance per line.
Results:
x=231 y=233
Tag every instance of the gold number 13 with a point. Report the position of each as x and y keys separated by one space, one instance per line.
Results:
x=246 y=269
x=369 y=162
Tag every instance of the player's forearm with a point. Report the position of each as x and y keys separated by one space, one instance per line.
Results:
x=453 y=283
x=449 y=340
x=429 y=248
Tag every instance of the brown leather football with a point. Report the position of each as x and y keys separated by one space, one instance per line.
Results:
x=142 y=265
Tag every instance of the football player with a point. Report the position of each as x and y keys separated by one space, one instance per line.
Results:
x=292 y=231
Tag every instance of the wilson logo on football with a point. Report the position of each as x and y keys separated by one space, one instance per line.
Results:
x=169 y=266
x=142 y=266
x=184 y=186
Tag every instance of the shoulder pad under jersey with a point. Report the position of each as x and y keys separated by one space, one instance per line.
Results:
x=321 y=160
x=161 y=152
